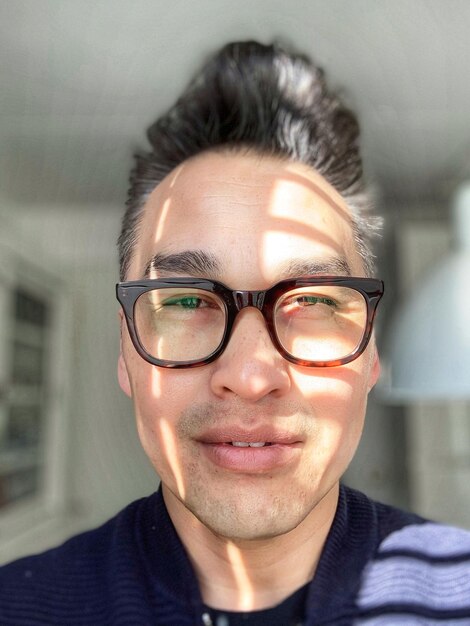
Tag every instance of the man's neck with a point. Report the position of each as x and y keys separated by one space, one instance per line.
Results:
x=251 y=575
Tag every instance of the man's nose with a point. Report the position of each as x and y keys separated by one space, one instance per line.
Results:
x=250 y=366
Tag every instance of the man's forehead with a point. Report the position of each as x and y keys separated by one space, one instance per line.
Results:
x=284 y=214
x=212 y=179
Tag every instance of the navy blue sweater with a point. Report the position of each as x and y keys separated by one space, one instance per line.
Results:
x=379 y=566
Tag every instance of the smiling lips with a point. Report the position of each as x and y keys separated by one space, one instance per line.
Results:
x=256 y=452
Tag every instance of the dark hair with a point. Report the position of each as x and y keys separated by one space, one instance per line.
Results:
x=265 y=99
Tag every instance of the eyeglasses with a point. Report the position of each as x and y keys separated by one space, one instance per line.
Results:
x=314 y=321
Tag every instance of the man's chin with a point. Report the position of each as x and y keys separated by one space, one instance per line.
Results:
x=245 y=530
x=239 y=518
x=248 y=508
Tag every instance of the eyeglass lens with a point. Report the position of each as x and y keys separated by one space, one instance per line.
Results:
x=312 y=323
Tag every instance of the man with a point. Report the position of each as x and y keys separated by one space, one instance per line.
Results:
x=247 y=347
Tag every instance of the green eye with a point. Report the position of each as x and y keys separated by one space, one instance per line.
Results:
x=187 y=302
x=311 y=300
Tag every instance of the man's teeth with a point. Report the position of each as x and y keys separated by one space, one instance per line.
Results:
x=251 y=444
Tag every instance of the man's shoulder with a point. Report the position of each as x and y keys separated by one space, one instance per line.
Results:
x=418 y=567
x=404 y=532
x=91 y=545
x=78 y=578
x=132 y=569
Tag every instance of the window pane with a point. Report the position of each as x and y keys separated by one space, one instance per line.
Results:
x=21 y=426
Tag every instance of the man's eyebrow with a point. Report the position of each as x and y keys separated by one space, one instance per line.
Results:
x=204 y=264
x=337 y=266
x=190 y=262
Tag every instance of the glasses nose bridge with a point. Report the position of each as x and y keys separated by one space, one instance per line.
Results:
x=245 y=299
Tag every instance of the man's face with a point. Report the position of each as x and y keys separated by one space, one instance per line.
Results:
x=254 y=216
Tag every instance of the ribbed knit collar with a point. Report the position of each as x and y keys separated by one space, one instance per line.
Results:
x=351 y=541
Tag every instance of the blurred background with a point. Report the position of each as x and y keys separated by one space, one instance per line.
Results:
x=79 y=84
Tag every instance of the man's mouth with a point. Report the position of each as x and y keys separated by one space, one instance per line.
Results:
x=257 y=452
x=256 y=438
x=251 y=444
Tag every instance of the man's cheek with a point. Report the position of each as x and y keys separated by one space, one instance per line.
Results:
x=316 y=385
x=155 y=382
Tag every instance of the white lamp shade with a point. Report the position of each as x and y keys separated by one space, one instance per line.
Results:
x=428 y=350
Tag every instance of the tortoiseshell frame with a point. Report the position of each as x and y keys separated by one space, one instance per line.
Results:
x=235 y=300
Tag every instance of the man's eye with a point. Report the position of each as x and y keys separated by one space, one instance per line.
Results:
x=186 y=302
x=311 y=300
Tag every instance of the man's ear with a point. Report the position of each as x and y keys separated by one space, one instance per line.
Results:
x=375 y=368
x=123 y=376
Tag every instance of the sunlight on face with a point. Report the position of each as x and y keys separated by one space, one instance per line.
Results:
x=303 y=217
x=155 y=383
x=170 y=445
x=161 y=226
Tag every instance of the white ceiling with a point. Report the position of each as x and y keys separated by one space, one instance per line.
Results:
x=80 y=80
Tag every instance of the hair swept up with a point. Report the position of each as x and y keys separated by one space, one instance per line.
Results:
x=262 y=98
